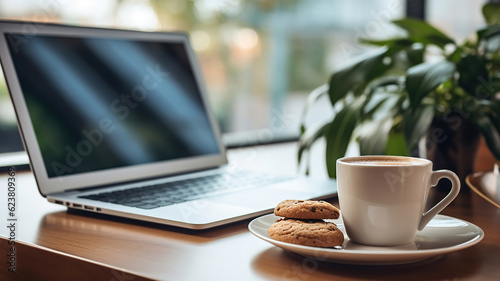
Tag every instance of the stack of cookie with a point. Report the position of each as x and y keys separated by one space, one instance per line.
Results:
x=303 y=223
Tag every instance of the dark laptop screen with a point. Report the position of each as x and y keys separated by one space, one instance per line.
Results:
x=104 y=103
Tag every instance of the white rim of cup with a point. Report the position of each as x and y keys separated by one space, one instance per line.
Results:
x=355 y=159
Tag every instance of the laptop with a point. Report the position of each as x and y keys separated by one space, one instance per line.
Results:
x=118 y=122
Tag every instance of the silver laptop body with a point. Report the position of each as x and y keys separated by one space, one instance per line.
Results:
x=102 y=111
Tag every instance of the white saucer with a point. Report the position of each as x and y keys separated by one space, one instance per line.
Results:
x=442 y=235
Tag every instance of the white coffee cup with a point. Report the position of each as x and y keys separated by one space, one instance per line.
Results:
x=382 y=198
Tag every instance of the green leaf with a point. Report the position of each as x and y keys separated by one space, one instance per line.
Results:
x=416 y=123
x=495 y=120
x=311 y=99
x=493 y=44
x=456 y=56
x=415 y=55
x=371 y=107
x=491 y=13
x=378 y=95
x=338 y=136
x=492 y=109
x=424 y=78
x=491 y=36
x=359 y=73
x=396 y=144
x=423 y=32
x=487 y=126
x=307 y=139
x=488 y=32
x=473 y=74
x=494 y=106
x=373 y=139
x=395 y=42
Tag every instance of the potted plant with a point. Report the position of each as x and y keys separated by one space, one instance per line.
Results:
x=395 y=100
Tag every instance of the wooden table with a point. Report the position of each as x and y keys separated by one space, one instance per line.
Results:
x=53 y=244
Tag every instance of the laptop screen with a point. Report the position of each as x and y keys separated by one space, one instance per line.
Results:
x=98 y=103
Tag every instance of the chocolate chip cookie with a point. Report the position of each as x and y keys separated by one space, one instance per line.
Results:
x=316 y=233
x=306 y=209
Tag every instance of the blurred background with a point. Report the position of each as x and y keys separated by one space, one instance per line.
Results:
x=260 y=58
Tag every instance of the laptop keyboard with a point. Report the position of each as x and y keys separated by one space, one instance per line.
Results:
x=164 y=194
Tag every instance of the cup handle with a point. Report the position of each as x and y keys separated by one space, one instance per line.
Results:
x=455 y=188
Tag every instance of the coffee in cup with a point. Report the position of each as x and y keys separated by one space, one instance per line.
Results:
x=383 y=198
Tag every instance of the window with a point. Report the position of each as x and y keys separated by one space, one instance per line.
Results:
x=462 y=23
x=259 y=59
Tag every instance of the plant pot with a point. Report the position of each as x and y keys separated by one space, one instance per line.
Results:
x=451 y=143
